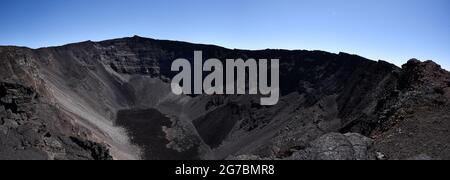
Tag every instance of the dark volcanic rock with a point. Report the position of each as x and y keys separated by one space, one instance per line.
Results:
x=417 y=120
x=222 y=120
x=26 y=134
x=146 y=127
x=83 y=87
x=335 y=146
x=98 y=151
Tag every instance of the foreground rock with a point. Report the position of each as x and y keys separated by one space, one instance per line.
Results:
x=417 y=123
x=335 y=146
x=31 y=129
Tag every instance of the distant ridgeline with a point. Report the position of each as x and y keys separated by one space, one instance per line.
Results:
x=235 y=81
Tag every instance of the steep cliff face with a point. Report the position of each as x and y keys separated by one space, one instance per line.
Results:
x=117 y=93
x=31 y=126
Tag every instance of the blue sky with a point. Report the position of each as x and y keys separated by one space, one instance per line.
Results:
x=392 y=30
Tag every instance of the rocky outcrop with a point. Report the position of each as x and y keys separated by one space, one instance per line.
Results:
x=331 y=146
x=416 y=120
x=31 y=129
x=98 y=151
x=335 y=146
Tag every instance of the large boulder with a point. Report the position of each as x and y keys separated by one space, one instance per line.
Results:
x=335 y=146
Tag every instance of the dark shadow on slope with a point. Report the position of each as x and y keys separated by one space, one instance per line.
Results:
x=215 y=126
x=145 y=127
